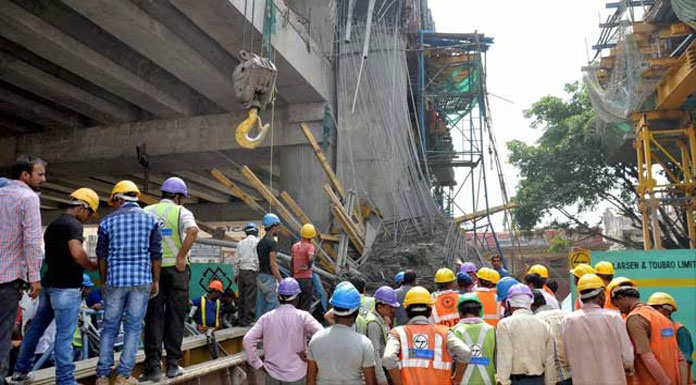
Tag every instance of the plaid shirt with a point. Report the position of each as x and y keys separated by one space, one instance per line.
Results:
x=21 y=252
x=129 y=239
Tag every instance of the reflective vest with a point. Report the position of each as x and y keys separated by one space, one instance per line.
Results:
x=445 y=309
x=663 y=344
x=424 y=358
x=77 y=338
x=367 y=304
x=373 y=317
x=217 y=312
x=548 y=290
x=491 y=307
x=168 y=215
x=677 y=326
x=480 y=337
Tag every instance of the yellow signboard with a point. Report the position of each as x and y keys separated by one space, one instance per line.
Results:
x=579 y=255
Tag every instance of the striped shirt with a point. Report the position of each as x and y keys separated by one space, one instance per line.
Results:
x=129 y=239
x=21 y=253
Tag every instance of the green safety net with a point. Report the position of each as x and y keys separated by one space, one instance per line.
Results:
x=455 y=89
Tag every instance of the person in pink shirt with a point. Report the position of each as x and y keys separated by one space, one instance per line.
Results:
x=284 y=333
x=302 y=254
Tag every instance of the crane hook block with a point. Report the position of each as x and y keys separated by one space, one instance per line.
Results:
x=245 y=127
x=254 y=81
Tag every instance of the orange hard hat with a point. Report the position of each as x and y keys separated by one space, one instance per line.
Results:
x=216 y=285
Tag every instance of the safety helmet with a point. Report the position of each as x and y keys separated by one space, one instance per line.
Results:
x=88 y=196
x=123 y=187
x=308 y=231
x=86 y=281
x=250 y=226
x=418 y=295
x=619 y=281
x=519 y=289
x=582 y=269
x=345 y=296
x=503 y=286
x=444 y=275
x=661 y=298
x=269 y=220
x=399 y=277
x=590 y=281
x=539 y=269
x=216 y=285
x=464 y=278
x=468 y=267
x=604 y=268
x=175 y=185
x=470 y=297
x=289 y=286
x=387 y=296
x=488 y=274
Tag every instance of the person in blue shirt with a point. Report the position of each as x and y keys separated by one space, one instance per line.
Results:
x=207 y=307
x=497 y=264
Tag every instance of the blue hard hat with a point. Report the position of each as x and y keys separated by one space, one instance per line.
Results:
x=345 y=296
x=399 y=277
x=251 y=226
x=465 y=278
x=86 y=281
x=269 y=220
x=503 y=286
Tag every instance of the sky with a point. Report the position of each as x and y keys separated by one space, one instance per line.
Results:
x=539 y=46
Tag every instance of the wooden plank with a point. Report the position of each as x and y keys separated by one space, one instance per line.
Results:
x=323 y=160
x=336 y=202
x=330 y=238
x=236 y=191
x=343 y=221
x=295 y=208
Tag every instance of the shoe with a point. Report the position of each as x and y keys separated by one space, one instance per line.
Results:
x=102 y=381
x=120 y=380
x=174 y=371
x=154 y=376
x=20 y=378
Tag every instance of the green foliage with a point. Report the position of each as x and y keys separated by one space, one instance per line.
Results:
x=558 y=245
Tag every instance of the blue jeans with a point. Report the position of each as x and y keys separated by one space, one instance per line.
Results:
x=266 y=294
x=133 y=301
x=64 y=305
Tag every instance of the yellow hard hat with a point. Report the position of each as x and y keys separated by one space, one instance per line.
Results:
x=122 y=187
x=88 y=196
x=418 y=296
x=604 y=268
x=619 y=281
x=445 y=275
x=590 y=281
x=308 y=231
x=539 y=269
x=661 y=298
x=488 y=274
x=582 y=269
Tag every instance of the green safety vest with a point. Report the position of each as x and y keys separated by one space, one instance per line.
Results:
x=480 y=337
x=168 y=215
x=367 y=304
x=373 y=317
x=77 y=338
x=217 y=312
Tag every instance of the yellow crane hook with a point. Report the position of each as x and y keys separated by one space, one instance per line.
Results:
x=245 y=127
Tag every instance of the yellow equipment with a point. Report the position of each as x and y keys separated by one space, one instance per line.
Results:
x=589 y=282
x=88 y=196
x=488 y=274
x=308 y=231
x=660 y=298
x=123 y=187
x=539 y=269
x=604 y=268
x=418 y=296
x=245 y=127
x=583 y=269
x=445 y=275
x=619 y=281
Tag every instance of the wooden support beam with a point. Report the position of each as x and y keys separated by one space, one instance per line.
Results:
x=340 y=216
x=323 y=160
x=330 y=238
x=482 y=213
x=296 y=209
x=336 y=202
x=236 y=191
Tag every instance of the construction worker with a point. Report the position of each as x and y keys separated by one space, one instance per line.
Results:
x=166 y=313
x=595 y=341
x=269 y=275
x=284 y=333
x=61 y=297
x=501 y=290
x=580 y=270
x=665 y=304
x=605 y=271
x=445 y=308
x=377 y=325
x=367 y=304
x=486 y=291
x=525 y=351
x=421 y=352
x=544 y=273
x=246 y=271
x=338 y=355
x=207 y=307
x=410 y=281
x=471 y=269
x=302 y=254
x=534 y=281
x=129 y=255
x=398 y=278
x=480 y=337
x=553 y=318
x=497 y=264
x=654 y=339
x=464 y=283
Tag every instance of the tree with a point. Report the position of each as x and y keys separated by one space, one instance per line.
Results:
x=569 y=171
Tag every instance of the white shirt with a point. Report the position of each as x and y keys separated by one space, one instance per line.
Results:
x=550 y=300
x=246 y=257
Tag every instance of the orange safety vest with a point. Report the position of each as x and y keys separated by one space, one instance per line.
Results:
x=424 y=355
x=491 y=307
x=677 y=326
x=548 y=290
x=445 y=310
x=663 y=344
